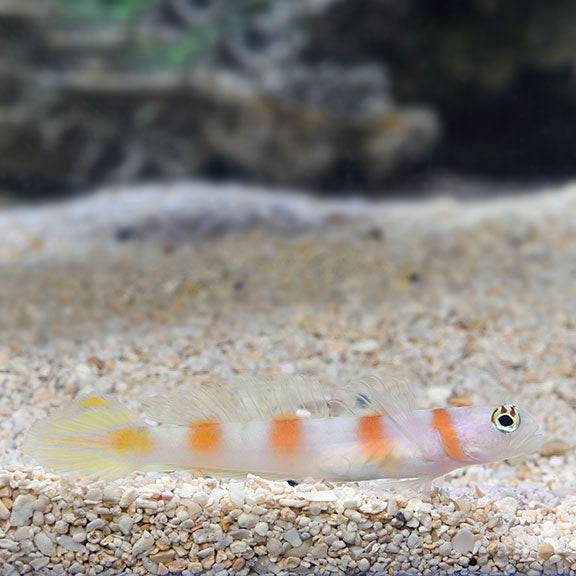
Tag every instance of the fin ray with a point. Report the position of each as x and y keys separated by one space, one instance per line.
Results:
x=92 y=436
x=242 y=401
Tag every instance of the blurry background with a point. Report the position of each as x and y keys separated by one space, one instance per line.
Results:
x=378 y=96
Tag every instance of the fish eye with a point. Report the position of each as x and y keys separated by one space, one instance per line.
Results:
x=506 y=418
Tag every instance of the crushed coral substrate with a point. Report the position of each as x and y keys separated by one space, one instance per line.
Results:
x=173 y=524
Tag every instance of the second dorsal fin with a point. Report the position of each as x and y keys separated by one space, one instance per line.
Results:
x=245 y=399
x=391 y=395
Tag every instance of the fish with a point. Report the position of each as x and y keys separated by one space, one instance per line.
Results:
x=283 y=428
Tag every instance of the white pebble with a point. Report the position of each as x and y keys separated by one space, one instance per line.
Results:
x=4 y=512
x=70 y=544
x=261 y=528
x=93 y=496
x=274 y=547
x=201 y=498
x=463 y=542
x=237 y=491
x=38 y=563
x=22 y=509
x=128 y=497
x=508 y=506
x=363 y=565
x=445 y=549
x=414 y=540
x=318 y=496
x=125 y=524
x=352 y=503
x=292 y=537
x=44 y=543
x=95 y=525
x=144 y=544
x=247 y=520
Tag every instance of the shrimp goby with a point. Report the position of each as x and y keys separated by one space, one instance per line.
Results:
x=281 y=428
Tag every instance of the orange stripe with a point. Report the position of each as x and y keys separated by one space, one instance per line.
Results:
x=124 y=441
x=205 y=436
x=442 y=421
x=128 y=440
x=371 y=430
x=286 y=434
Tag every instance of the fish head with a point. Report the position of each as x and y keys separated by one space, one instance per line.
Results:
x=494 y=433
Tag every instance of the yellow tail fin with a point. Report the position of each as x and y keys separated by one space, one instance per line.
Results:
x=94 y=436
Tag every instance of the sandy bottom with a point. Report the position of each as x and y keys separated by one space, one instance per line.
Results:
x=136 y=293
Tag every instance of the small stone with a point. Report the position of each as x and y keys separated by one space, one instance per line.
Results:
x=96 y=524
x=238 y=564
x=79 y=536
x=128 y=497
x=545 y=550
x=363 y=565
x=274 y=547
x=22 y=509
x=201 y=498
x=414 y=540
x=61 y=527
x=125 y=524
x=261 y=528
x=206 y=552
x=508 y=506
x=144 y=544
x=70 y=544
x=463 y=542
x=238 y=547
x=4 y=512
x=237 y=491
x=176 y=566
x=23 y=533
x=38 y=563
x=351 y=503
x=445 y=549
x=44 y=543
x=247 y=520
x=163 y=557
x=292 y=537
x=318 y=496
x=93 y=496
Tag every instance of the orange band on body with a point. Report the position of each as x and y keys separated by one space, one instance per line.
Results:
x=205 y=436
x=371 y=432
x=286 y=434
x=442 y=421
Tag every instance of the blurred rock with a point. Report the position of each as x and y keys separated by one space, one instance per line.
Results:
x=325 y=94
x=107 y=101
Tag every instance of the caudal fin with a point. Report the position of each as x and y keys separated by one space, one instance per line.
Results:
x=93 y=436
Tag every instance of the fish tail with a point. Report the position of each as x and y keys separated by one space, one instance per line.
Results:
x=93 y=436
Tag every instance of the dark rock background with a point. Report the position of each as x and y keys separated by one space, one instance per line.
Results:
x=331 y=95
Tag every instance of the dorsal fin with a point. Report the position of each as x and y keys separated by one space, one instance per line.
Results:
x=245 y=399
x=393 y=396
